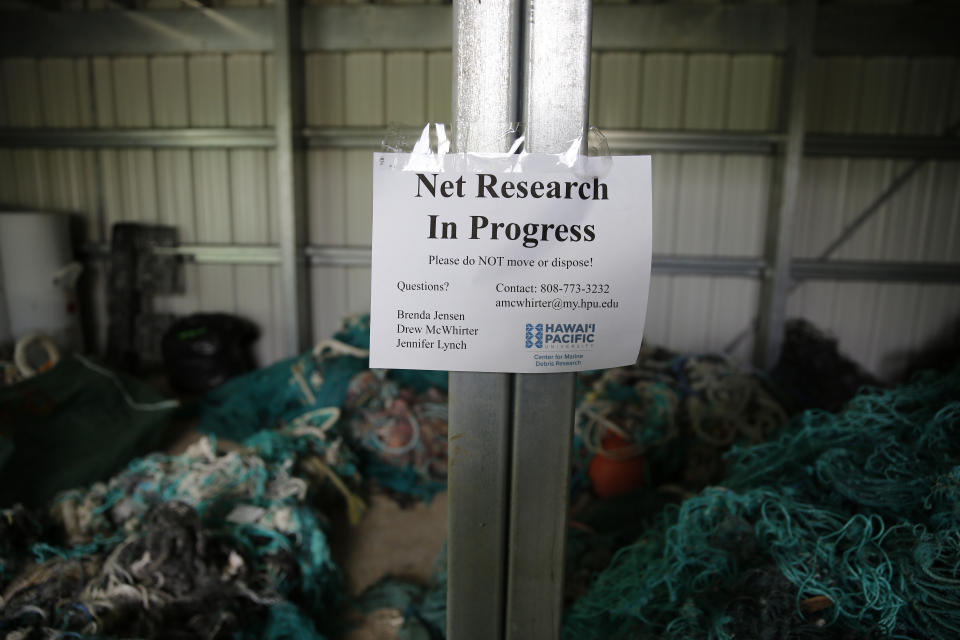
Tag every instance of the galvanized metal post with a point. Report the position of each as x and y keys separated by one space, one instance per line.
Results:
x=486 y=59
x=776 y=286
x=294 y=300
x=556 y=98
x=513 y=431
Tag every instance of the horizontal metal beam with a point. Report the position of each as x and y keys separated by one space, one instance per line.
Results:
x=358 y=137
x=708 y=265
x=324 y=28
x=663 y=265
x=914 y=29
x=690 y=27
x=933 y=147
x=910 y=29
x=621 y=141
x=204 y=253
x=226 y=254
x=92 y=33
x=377 y=28
x=257 y=137
x=329 y=256
x=625 y=141
x=216 y=137
x=875 y=271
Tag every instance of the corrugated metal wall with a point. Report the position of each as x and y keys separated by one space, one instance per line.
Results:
x=704 y=204
x=882 y=325
x=213 y=196
x=359 y=89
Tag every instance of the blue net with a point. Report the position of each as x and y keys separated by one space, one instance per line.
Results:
x=227 y=542
x=846 y=524
x=395 y=421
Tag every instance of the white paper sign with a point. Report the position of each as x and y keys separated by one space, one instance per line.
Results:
x=481 y=267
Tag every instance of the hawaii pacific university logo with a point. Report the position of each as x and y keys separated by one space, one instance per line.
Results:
x=534 y=336
x=560 y=335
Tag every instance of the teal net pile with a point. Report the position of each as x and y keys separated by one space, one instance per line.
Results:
x=73 y=425
x=419 y=611
x=846 y=526
x=400 y=432
x=205 y=544
x=395 y=421
x=280 y=394
x=680 y=412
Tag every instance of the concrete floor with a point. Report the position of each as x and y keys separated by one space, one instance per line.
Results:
x=390 y=540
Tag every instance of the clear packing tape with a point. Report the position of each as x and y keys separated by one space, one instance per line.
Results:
x=432 y=150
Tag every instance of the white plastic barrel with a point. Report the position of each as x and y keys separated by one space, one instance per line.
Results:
x=39 y=277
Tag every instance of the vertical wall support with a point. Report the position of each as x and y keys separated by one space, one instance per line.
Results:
x=780 y=225
x=485 y=101
x=289 y=105
x=556 y=99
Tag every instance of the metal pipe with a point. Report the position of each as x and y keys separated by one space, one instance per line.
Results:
x=294 y=293
x=556 y=98
x=776 y=288
x=907 y=30
x=621 y=141
x=663 y=265
x=485 y=98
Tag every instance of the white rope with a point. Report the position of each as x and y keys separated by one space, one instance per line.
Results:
x=23 y=362
x=162 y=405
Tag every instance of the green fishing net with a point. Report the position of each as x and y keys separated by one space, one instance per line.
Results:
x=209 y=543
x=681 y=412
x=395 y=421
x=847 y=525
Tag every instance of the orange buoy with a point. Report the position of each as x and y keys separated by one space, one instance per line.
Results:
x=611 y=474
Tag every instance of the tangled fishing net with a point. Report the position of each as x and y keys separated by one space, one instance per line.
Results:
x=230 y=542
x=847 y=525
x=680 y=412
x=813 y=372
x=396 y=421
x=204 y=544
x=844 y=525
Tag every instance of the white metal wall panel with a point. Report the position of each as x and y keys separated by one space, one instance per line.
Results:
x=65 y=87
x=53 y=92
x=212 y=196
x=250 y=193
x=4 y=100
x=710 y=205
x=439 y=86
x=365 y=104
x=328 y=295
x=359 y=89
x=881 y=325
x=174 y=167
x=326 y=189
x=168 y=86
x=662 y=94
x=754 y=93
x=323 y=88
x=405 y=86
x=103 y=92
x=363 y=87
x=617 y=81
x=704 y=204
x=22 y=81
